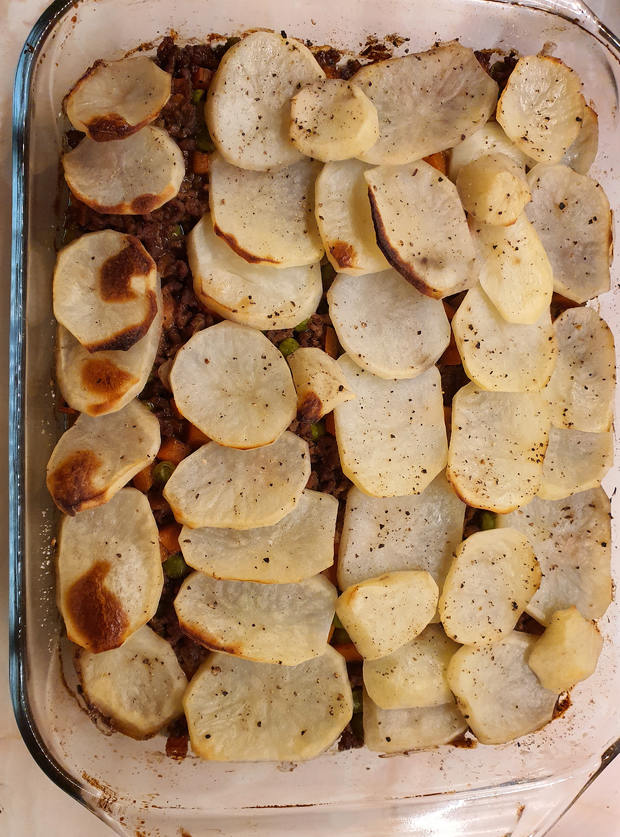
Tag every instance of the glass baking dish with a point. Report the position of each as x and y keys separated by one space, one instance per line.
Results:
x=519 y=788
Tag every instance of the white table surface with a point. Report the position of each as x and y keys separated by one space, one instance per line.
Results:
x=30 y=804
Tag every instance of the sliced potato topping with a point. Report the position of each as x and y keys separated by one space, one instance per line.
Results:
x=226 y=488
x=581 y=389
x=541 y=108
x=498 y=694
x=492 y=578
x=248 y=103
x=131 y=176
x=386 y=326
x=232 y=383
x=572 y=541
x=109 y=571
x=319 y=381
x=582 y=152
x=400 y=730
x=426 y=102
x=574 y=462
x=238 y=710
x=333 y=119
x=571 y=214
x=392 y=435
x=493 y=188
x=138 y=686
x=421 y=227
x=503 y=356
x=497 y=447
x=115 y=99
x=96 y=457
x=255 y=295
x=382 y=614
x=567 y=652
x=488 y=139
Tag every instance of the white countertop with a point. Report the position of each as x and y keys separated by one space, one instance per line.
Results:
x=30 y=805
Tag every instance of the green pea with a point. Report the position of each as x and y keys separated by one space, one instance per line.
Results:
x=487 y=520
x=174 y=566
x=328 y=273
x=204 y=142
x=302 y=326
x=340 y=637
x=317 y=430
x=177 y=231
x=197 y=96
x=162 y=472
x=357 y=699
x=288 y=346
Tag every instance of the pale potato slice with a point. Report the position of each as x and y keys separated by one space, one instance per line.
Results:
x=131 y=176
x=515 y=272
x=269 y=623
x=581 y=389
x=139 y=686
x=498 y=694
x=391 y=436
x=414 y=675
x=575 y=461
x=232 y=383
x=109 y=571
x=571 y=214
x=382 y=614
x=426 y=102
x=497 y=447
x=572 y=541
x=488 y=139
x=104 y=290
x=492 y=578
x=255 y=295
x=582 y=152
x=493 y=188
x=115 y=99
x=248 y=103
x=567 y=652
x=96 y=457
x=386 y=326
x=238 y=710
x=400 y=730
x=503 y=356
x=382 y=535
x=541 y=108
x=319 y=381
x=421 y=227
x=333 y=119
x=266 y=217
x=298 y=547
x=344 y=219
x=226 y=488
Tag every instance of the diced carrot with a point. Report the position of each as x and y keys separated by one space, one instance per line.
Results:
x=168 y=307
x=332 y=346
x=180 y=85
x=195 y=437
x=437 y=161
x=349 y=652
x=451 y=356
x=172 y=450
x=200 y=162
x=169 y=537
x=330 y=425
x=143 y=480
x=201 y=77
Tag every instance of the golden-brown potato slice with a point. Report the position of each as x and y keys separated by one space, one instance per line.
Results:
x=567 y=652
x=575 y=461
x=493 y=188
x=400 y=730
x=319 y=381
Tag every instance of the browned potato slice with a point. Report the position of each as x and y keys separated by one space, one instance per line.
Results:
x=493 y=189
x=567 y=652
x=400 y=730
x=319 y=381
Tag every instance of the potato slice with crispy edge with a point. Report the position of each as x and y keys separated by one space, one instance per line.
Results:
x=319 y=381
x=488 y=139
x=400 y=730
x=575 y=461
x=567 y=652
x=493 y=188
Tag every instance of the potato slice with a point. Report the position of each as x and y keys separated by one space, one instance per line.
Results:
x=567 y=652
x=232 y=383
x=266 y=217
x=382 y=614
x=575 y=461
x=571 y=214
x=333 y=119
x=581 y=389
x=492 y=578
x=392 y=436
x=255 y=295
x=238 y=710
x=400 y=730
x=414 y=675
x=109 y=571
x=269 y=623
x=499 y=696
x=344 y=219
x=138 y=686
x=248 y=103
x=421 y=227
x=541 y=108
x=319 y=381
x=582 y=152
x=381 y=535
x=227 y=488
x=131 y=176
x=488 y=139
x=515 y=274
x=115 y=99
x=571 y=538
x=497 y=447
x=96 y=457
x=493 y=188
x=503 y=356
x=386 y=326
x=426 y=102
x=298 y=547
